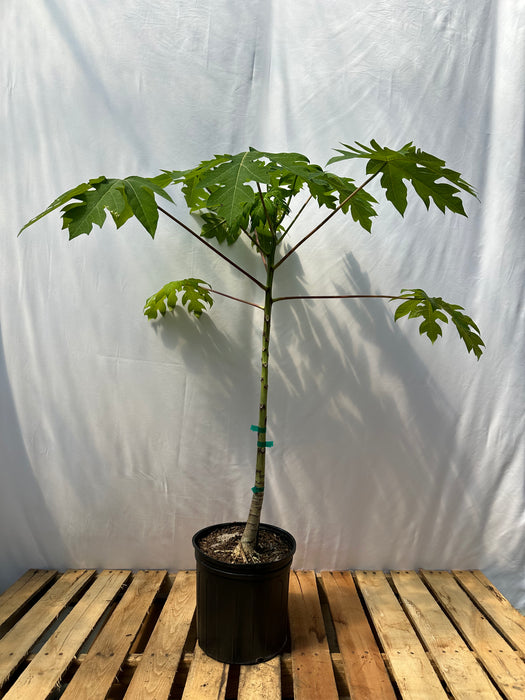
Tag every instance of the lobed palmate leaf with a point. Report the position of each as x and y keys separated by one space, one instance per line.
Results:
x=194 y=296
x=251 y=192
x=433 y=311
x=87 y=204
x=424 y=171
x=227 y=185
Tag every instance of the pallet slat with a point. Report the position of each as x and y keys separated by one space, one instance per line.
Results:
x=260 y=681
x=17 y=596
x=410 y=666
x=313 y=675
x=365 y=635
x=97 y=672
x=365 y=670
x=207 y=678
x=462 y=673
x=46 y=669
x=156 y=671
x=499 y=659
x=496 y=607
x=16 y=643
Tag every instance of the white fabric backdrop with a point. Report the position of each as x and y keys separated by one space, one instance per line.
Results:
x=120 y=438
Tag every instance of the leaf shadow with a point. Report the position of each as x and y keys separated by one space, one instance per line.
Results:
x=367 y=391
x=357 y=419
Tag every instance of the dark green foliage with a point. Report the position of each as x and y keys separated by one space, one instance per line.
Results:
x=231 y=186
x=89 y=202
x=421 y=169
x=250 y=194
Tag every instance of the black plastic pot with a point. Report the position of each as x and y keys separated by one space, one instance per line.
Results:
x=242 y=609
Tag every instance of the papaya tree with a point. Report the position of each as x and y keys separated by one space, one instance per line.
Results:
x=250 y=196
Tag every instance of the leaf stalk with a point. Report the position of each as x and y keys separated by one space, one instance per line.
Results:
x=242 y=301
x=339 y=296
x=218 y=252
x=326 y=219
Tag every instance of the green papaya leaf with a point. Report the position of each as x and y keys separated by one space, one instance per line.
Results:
x=192 y=295
x=424 y=171
x=328 y=189
x=63 y=199
x=228 y=186
x=122 y=216
x=80 y=216
x=433 y=311
x=360 y=204
x=140 y=195
x=87 y=204
x=231 y=192
x=214 y=226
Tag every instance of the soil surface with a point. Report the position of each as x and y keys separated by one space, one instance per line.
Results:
x=221 y=543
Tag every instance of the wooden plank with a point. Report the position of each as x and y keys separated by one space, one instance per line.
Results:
x=97 y=672
x=410 y=666
x=207 y=678
x=313 y=674
x=17 y=596
x=44 y=672
x=470 y=637
x=260 y=681
x=499 y=659
x=509 y=621
x=156 y=671
x=458 y=666
x=366 y=674
x=18 y=641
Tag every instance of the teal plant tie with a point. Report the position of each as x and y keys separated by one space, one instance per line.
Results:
x=257 y=429
x=264 y=443
x=257 y=489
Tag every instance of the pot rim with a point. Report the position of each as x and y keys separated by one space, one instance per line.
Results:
x=245 y=567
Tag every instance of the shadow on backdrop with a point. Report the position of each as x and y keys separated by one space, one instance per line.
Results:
x=399 y=479
x=29 y=537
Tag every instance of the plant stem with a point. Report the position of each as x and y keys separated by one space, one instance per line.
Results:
x=249 y=536
x=218 y=252
x=325 y=220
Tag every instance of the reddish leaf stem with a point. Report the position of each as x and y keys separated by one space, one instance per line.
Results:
x=218 y=252
x=325 y=220
x=341 y=296
x=295 y=219
x=228 y=296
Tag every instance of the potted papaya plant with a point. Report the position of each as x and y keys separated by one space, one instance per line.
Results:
x=243 y=568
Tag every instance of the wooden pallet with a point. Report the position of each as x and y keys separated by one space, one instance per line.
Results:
x=83 y=635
